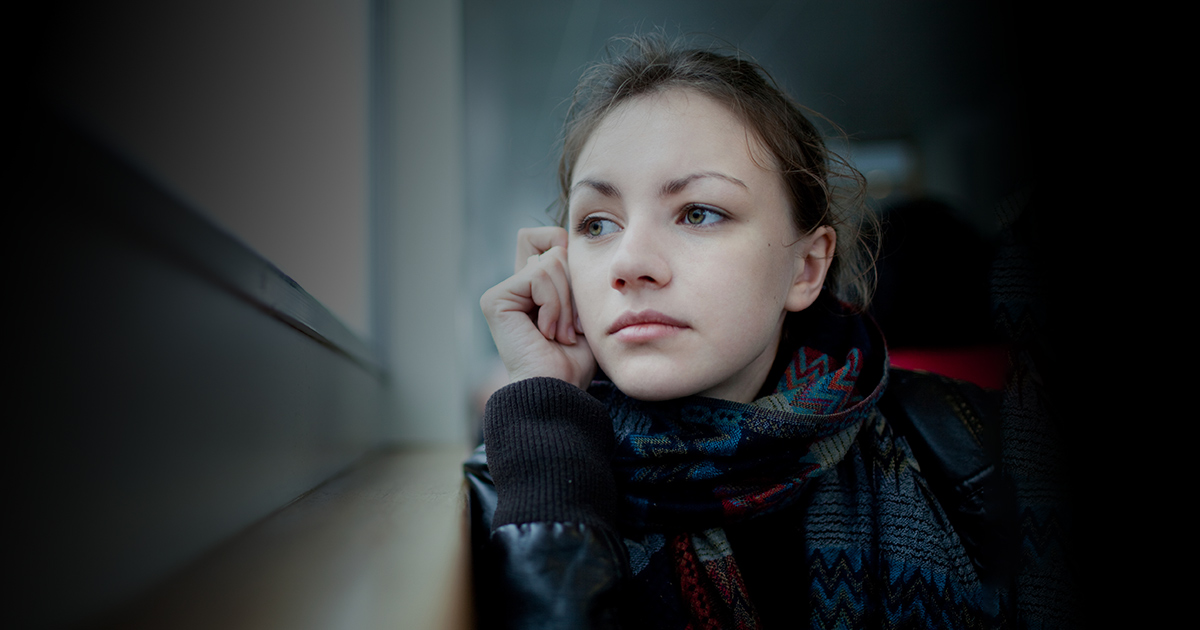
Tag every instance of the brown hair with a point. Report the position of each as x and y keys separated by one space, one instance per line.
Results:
x=645 y=64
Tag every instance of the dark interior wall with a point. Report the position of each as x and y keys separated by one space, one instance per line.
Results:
x=176 y=385
x=252 y=113
x=176 y=388
x=173 y=386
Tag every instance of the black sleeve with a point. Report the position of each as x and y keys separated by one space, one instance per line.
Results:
x=551 y=556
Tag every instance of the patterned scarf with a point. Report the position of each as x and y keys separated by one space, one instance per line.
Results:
x=690 y=468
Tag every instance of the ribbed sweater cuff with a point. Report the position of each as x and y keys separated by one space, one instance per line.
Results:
x=549 y=446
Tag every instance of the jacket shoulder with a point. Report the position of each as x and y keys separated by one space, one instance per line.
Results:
x=952 y=428
x=946 y=422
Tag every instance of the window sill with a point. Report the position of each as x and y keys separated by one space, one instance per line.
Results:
x=385 y=544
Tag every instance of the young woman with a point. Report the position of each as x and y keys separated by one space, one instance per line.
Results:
x=692 y=436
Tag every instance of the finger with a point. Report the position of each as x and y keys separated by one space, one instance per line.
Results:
x=566 y=322
x=513 y=295
x=556 y=321
x=556 y=262
x=546 y=296
x=534 y=241
x=584 y=361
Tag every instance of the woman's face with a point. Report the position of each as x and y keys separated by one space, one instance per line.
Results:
x=683 y=255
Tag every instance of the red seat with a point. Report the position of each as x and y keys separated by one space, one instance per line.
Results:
x=983 y=365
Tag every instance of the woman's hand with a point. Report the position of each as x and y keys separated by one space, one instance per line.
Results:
x=532 y=316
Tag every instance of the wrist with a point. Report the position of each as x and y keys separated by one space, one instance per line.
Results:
x=580 y=378
x=549 y=447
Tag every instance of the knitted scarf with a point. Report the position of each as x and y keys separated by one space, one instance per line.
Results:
x=880 y=551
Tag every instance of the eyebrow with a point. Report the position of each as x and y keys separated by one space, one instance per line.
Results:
x=604 y=188
x=676 y=185
x=669 y=188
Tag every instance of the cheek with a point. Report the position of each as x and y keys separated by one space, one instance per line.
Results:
x=759 y=275
x=585 y=293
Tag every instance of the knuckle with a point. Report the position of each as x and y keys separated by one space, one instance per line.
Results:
x=488 y=297
x=487 y=304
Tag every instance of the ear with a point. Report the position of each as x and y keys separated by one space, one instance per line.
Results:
x=813 y=258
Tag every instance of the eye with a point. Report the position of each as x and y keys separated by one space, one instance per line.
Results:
x=593 y=227
x=695 y=214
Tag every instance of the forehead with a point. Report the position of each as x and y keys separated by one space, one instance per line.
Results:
x=677 y=128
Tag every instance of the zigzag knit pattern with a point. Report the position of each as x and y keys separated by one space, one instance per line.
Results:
x=880 y=554
x=1045 y=595
x=886 y=558
x=879 y=551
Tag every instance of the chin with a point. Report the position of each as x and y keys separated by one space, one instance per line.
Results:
x=659 y=386
x=660 y=380
x=650 y=393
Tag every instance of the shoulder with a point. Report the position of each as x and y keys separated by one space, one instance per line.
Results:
x=952 y=429
x=946 y=422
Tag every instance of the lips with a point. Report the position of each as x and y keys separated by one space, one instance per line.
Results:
x=647 y=318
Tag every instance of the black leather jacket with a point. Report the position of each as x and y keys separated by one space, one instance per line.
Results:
x=567 y=575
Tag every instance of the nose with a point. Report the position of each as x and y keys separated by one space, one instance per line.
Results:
x=640 y=260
